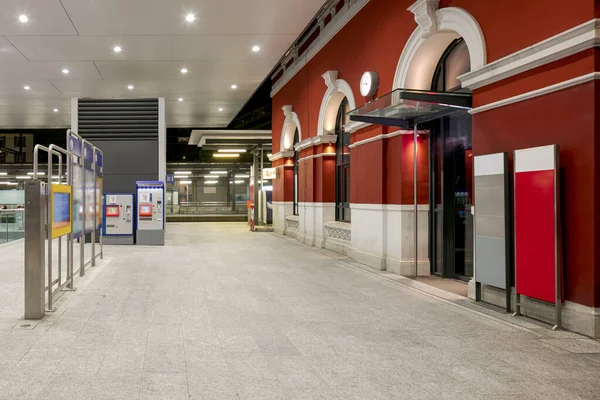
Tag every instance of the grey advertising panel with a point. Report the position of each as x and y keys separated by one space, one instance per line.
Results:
x=491 y=220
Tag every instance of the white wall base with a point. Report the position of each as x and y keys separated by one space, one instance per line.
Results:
x=280 y=210
x=407 y=267
x=575 y=317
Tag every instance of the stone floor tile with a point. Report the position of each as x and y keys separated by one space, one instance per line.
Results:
x=207 y=316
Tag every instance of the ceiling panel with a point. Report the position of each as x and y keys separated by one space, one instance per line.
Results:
x=229 y=47
x=37 y=88
x=48 y=70
x=130 y=17
x=45 y=121
x=200 y=71
x=166 y=88
x=92 y=48
x=45 y=17
x=156 y=43
x=8 y=52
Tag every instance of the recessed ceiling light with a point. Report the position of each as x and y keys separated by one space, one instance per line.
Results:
x=23 y=18
x=190 y=17
x=65 y=71
x=55 y=110
x=26 y=87
x=234 y=86
x=180 y=99
x=117 y=49
x=130 y=87
x=184 y=70
x=220 y=109
x=256 y=49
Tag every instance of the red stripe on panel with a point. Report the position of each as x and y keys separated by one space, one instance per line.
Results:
x=534 y=234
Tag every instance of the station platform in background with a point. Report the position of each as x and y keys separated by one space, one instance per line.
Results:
x=223 y=313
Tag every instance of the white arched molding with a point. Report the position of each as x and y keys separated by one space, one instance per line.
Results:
x=289 y=129
x=337 y=89
x=437 y=28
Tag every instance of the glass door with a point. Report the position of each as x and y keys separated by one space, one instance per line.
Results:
x=451 y=226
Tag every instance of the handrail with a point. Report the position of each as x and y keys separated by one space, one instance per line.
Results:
x=308 y=36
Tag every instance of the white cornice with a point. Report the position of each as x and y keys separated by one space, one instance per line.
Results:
x=328 y=33
x=382 y=136
x=536 y=93
x=280 y=155
x=565 y=44
x=354 y=126
x=317 y=156
x=314 y=141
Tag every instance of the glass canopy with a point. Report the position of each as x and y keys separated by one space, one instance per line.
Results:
x=406 y=108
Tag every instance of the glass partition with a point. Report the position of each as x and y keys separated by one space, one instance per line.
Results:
x=12 y=225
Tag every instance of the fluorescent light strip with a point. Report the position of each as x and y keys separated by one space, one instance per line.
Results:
x=3 y=173
x=218 y=172
x=211 y=176
x=226 y=155
x=211 y=182
x=185 y=182
x=182 y=177
x=39 y=173
x=232 y=151
x=23 y=177
x=9 y=183
x=242 y=176
x=183 y=172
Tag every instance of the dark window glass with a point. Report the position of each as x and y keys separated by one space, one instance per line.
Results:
x=342 y=161
x=296 y=140
x=454 y=62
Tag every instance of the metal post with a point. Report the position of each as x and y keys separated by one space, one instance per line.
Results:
x=35 y=216
x=517 y=312
x=415 y=134
x=82 y=237
x=95 y=208
x=557 y=241
x=255 y=168
x=49 y=234
x=70 y=167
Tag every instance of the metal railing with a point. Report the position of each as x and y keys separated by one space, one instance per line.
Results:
x=12 y=225
x=207 y=208
x=315 y=28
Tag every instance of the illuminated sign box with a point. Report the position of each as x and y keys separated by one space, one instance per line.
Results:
x=269 y=173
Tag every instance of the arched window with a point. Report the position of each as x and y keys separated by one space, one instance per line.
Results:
x=454 y=62
x=296 y=140
x=342 y=165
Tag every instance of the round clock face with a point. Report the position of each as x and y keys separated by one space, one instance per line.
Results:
x=368 y=84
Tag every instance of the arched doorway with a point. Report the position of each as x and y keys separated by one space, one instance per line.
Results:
x=451 y=166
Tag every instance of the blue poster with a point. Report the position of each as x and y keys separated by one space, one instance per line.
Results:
x=62 y=214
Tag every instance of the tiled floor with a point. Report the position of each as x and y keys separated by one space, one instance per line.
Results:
x=222 y=313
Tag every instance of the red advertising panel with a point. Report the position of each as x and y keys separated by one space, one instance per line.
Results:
x=535 y=223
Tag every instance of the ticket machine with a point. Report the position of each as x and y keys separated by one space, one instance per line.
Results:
x=150 y=209
x=119 y=215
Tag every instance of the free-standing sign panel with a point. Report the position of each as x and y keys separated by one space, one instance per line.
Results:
x=492 y=236
x=61 y=210
x=537 y=260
